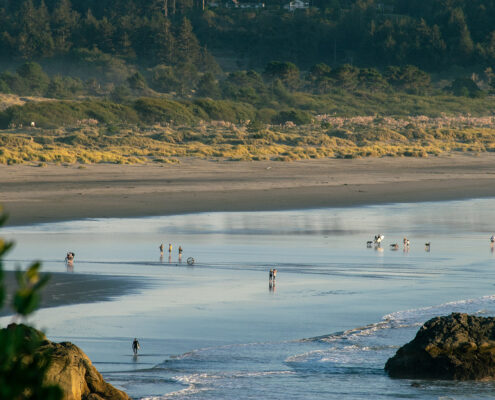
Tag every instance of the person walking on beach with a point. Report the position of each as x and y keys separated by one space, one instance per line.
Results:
x=180 y=254
x=270 y=275
x=135 y=346
x=274 y=274
x=170 y=247
x=161 y=249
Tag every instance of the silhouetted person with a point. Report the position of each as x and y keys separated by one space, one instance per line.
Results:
x=161 y=249
x=135 y=346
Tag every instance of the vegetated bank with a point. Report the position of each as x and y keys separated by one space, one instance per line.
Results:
x=163 y=130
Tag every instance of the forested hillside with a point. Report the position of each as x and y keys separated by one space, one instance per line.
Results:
x=431 y=34
x=141 y=79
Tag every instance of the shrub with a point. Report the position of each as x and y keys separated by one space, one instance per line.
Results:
x=226 y=110
x=298 y=117
x=465 y=87
x=162 y=110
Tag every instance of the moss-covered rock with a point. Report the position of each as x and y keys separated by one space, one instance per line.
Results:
x=454 y=347
x=69 y=368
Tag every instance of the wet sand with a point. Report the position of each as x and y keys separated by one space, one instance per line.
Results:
x=57 y=193
x=67 y=288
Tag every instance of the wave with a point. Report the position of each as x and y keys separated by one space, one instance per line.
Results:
x=369 y=346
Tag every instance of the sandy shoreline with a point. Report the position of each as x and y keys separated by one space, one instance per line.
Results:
x=55 y=193
x=68 y=288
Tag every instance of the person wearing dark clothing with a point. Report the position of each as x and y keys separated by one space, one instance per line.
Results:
x=135 y=346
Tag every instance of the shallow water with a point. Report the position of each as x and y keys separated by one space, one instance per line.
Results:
x=216 y=330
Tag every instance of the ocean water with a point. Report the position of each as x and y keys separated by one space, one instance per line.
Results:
x=218 y=330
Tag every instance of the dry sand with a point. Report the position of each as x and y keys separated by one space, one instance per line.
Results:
x=55 y=193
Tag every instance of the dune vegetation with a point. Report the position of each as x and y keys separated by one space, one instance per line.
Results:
x=89 y=141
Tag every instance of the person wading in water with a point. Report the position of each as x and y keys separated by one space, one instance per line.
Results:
x=135 y=346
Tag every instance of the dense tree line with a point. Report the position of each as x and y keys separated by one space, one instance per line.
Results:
x=40 y=30
x=431 y=34
x=278 y=82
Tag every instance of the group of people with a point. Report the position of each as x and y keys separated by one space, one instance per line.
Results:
x=271 y=279
x=272 y=275
x=162 y=247
x=170 y=248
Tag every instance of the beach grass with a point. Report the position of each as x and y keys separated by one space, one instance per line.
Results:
x=89 y=142
x=161 y=130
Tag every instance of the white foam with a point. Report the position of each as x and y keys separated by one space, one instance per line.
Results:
x=350 y=346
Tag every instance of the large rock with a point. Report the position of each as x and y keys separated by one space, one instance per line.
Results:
x=72 y=370
x=454 y=347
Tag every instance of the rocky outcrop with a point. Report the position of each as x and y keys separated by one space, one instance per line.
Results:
x=454 y=347
x=73 y=371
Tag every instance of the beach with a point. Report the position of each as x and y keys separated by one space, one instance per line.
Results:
x=58 y=193
x=219 y=329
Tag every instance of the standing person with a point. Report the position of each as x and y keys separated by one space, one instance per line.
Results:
x=161 y=249
x=69 y=258
x=135 y=346
x=274 y=274
x=270 y=275
x=170 y=247
x=180 y=254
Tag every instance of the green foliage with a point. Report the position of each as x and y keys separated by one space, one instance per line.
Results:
x=465 y=87
x=298 y=117
x=35 y=79
x=223 y=110
x=163 y=79
x=408 y=78
x=61 y=87
x=22 y=364
x=286 y=72
x=255 y=126
x=27 y=297
x=162 y=110
x=50 y=114
x=137 y=82
x=120 y=94
x=430 y=34
x=208 y=86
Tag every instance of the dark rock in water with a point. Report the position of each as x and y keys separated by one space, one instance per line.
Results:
x=454 y=347
x=71 y=369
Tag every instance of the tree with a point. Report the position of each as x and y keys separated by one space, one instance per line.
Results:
x=35 y=79
x=465 y=87
x=188 y=48
x=408 y=78
x=286 y=72
x=64 y=20
x=137 y=82
x=208 y=86
x=34 y=39
x=22 y=366
x=346 y=76
x=163 y=79
x=370 y=78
